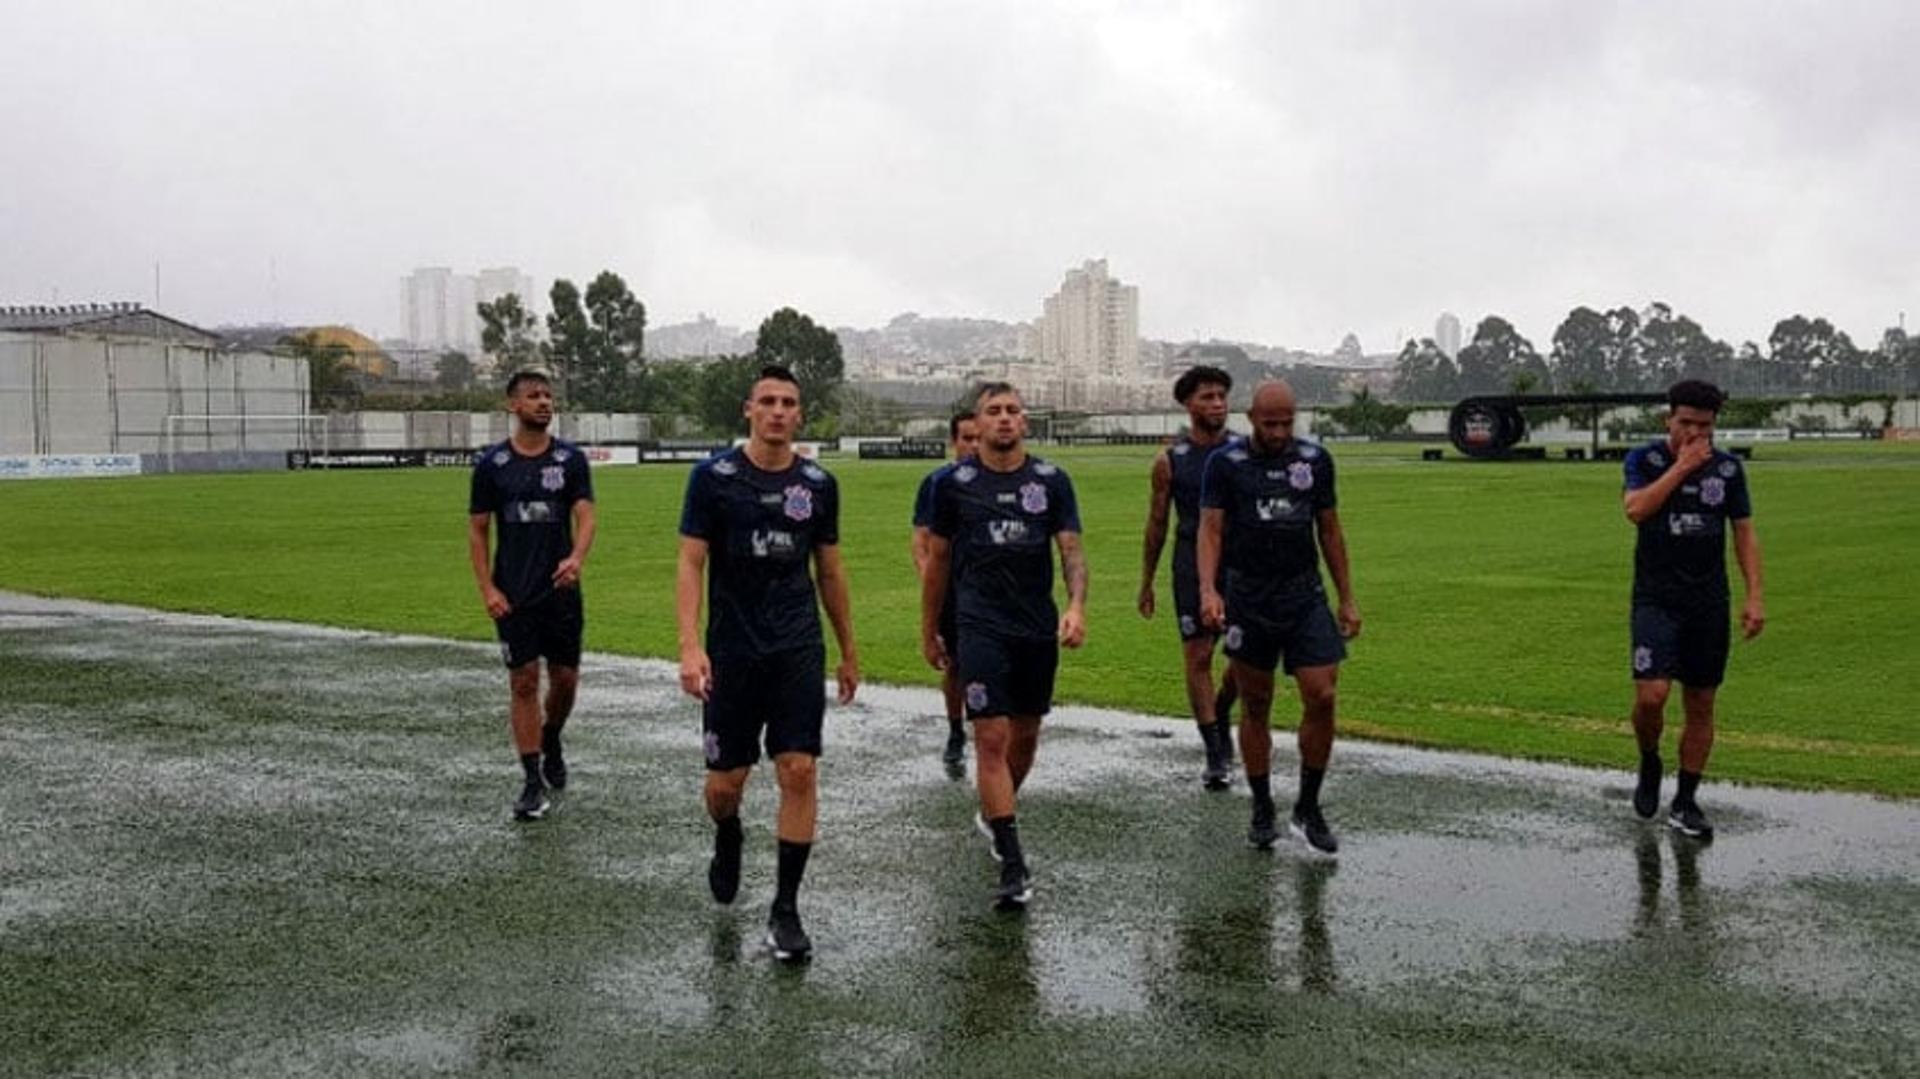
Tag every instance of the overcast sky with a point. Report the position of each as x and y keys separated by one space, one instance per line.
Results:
x=1282 y=173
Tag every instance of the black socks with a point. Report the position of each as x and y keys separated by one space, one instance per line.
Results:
x=1689 y=783
x=793 y=866
x=530 y=764
x=1310 y=787
x=1006 y=839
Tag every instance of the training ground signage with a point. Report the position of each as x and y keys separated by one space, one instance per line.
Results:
x=921 y=449
x=301 y=460
x=1490 y=427
x=67 y=465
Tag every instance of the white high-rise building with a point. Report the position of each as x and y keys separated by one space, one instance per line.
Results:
x=1446 y=334
x=437 y=305
x=1091 y=327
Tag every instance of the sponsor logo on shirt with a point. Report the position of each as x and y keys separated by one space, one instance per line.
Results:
x=1044 y=469
x=501 y=457
x=1686 y=524
x=1236 y=456
x=799 y=502
x=1272 y=509
x=528 y=513
x=1005 y=532
x=1657 y=459
x=561 y=456
x=1713 y=491
x=553 y=477
x=1033 y=497
x=1308 y=451
x=772 y=543
x=1300 y=475
x=1181 y=449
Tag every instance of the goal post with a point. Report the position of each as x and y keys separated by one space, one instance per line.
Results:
x=244 y=431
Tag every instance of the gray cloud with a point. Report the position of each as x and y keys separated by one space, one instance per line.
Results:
x=1277 y=172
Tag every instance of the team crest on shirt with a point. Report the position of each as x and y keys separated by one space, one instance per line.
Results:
x=1300 y=475
x=1033 y=497
x=1642 y=659
x=1728 y=468
x=1236 y=456
x=976 y=695
x=1713 y=491
x=965 y=474
x=799 y=503
x=552 y=478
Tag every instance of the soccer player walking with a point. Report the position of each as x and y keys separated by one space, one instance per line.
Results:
x=753 y=518
x=994 y=519
x=1682 y=494
x=963 y=439
x=1264 y=504
x=1176 y=483
x=539 y=490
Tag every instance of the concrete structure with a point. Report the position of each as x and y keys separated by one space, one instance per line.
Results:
x=1090 y=329
x=437 y=305
x=1446 y=334
x=117 y=320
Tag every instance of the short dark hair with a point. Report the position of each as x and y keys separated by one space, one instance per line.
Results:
x=1193 y=378
x=953 y=424
x=1695 y=393
x=527 y=374
x=992 y=389
x=777 y=372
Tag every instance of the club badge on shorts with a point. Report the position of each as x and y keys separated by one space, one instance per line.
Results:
x=799 y=502
x=976 y=695
x=1033 y=497
x=1642 y=659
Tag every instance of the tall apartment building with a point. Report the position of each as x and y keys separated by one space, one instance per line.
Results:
x=437 y=305
x=1091 y=327
x=1446 y=334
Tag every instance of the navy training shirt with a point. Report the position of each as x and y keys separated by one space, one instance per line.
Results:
x=761 y=529
x=1270 y=551
x=1001 y=525
x=1680 y=558
x=531 y=499
x=1186 y=462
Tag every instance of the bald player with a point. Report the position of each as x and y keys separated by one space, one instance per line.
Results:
x=1268 y=515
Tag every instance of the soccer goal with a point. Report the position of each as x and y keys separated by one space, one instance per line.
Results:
x=242 y=432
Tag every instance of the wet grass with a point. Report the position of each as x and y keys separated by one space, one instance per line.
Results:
x=272 y=852
x=1495 y=595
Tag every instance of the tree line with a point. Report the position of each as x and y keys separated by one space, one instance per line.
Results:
x=1628 y=351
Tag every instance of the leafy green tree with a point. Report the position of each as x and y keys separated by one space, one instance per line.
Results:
x=1423 y=372
x=1497 y=353
x=1368 y=415
x=1674 y=347
x=509 y=334
x=1596 y=349
x=724 y=385
x=453 y=371
x=812 y=353
x=1814 y=354
x=333 y=382
x=598 y=343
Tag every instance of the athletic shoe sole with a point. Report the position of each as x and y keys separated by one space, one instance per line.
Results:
x=1703 y=834
x=785 y=956
x=535 y=813
x=1301 y=834
x=1215 y=782
x=1017 y=901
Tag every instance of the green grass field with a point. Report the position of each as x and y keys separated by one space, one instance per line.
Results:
x=1495 y=595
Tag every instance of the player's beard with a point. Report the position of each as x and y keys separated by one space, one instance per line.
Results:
x=1209 y=426
x=535 y=423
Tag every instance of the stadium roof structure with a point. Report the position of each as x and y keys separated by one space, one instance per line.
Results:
x=114 y=319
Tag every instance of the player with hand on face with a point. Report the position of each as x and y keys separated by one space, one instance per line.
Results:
x=1684 y=496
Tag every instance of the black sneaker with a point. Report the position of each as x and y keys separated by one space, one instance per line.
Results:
x=1217 y=775
x=956 y=751
x=1646 y=794
x=723 y=869
x=1016 y=887
x=553 y=766
x=1688 y=820
x=980 y=825
x=787 y=940
x=1261 y=833
x=532 y=803
x=1311 y=828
